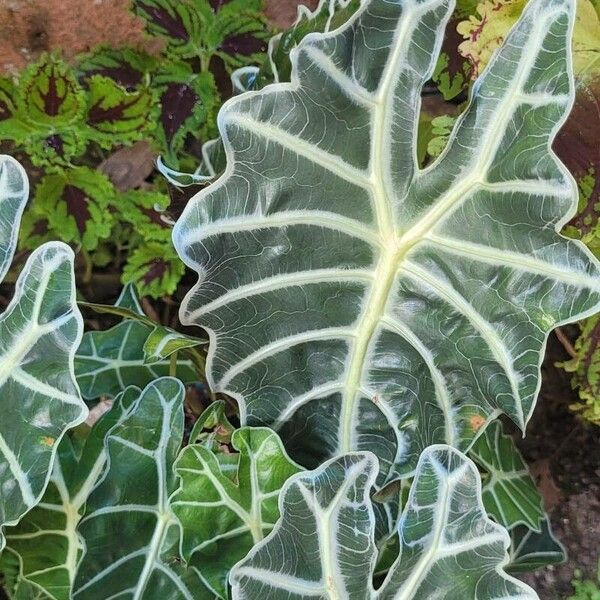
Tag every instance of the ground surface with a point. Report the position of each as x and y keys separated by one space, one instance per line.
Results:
x=30 y=27
x=560 y=448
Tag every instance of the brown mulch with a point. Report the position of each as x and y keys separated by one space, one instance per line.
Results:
x=30 y=27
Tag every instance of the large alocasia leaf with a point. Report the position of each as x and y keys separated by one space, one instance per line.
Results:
x=39 y=332
x=323 y=545
x=45 y=541
x=132 y=500
x=355 y=301
x=222 y=519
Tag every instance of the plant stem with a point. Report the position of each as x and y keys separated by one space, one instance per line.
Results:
x=173 y=365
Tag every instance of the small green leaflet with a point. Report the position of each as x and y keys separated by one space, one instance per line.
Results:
x=39 y=332
x=323 y=545
x=131 y=538
x=509 y=492
x=530 y=550
x=212 y=429
x=45 y=542
x=222 y=519
x=109 y=361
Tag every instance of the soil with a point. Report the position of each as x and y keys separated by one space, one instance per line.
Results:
x=30 y=27
x=561 y=448
x=565 y=452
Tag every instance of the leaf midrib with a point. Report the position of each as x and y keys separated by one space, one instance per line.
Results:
x=398 y=245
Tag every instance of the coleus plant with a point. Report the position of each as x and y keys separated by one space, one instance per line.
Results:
x=68 y=119
x=372 y=318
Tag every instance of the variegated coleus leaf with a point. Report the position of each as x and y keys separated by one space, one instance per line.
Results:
x=355 y=301
x=45 y=543
x=323 y=545
x=39 y=332
x=132 y=498
x=109 y=361
x=221 y=518
x=509 y=492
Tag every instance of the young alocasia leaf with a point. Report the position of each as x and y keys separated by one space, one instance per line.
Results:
x=213 y=429
x=222 y=519
x=142 y=561
x=109 y=361
x=355 y=301
x=509 y=492
x=323 y=545
x=46 y=542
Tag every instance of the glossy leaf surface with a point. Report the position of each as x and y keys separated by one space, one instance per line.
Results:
x=222 y=519
x=142 y=561
x=45 y=542
x=509 y=491
x=323 y=545
x=357 y=302
x=39 y=333
x=109 y=361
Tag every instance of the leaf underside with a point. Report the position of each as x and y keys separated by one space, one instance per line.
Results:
x=357 y=302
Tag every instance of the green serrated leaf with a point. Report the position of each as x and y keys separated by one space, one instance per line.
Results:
x=132 y=498
x=356 y=301
x=51 y=105
x=449 y=84
x=50 y=94
x=126 y=66
x=509 y=492
x=222 y=519
x=323 y=545
x=188 y=103
x=154 y=268
x=441 y=129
